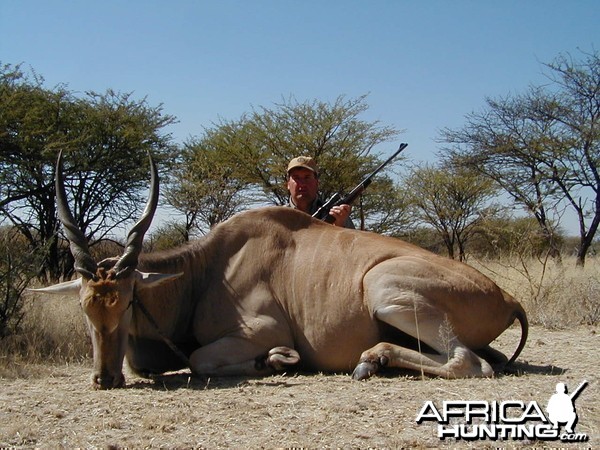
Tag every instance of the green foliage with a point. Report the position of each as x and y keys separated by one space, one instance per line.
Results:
x=208 y=184
x=384 y=208
x=453 y=201
x=425 y=237
x=240 y=164
x=167 y=236
x=500 y=237
x=105 y=138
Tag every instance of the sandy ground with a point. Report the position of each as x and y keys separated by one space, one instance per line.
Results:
x=55 y=407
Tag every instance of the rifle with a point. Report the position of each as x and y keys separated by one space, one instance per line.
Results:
x=336 y=199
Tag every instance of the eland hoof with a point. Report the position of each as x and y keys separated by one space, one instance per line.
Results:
x=364 y=370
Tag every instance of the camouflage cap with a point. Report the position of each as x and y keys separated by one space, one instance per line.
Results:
x=305 y=162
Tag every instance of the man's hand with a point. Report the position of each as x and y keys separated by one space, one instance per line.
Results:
x=340 y=213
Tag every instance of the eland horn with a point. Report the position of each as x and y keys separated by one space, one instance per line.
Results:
x=84 y=263
x=128 y=262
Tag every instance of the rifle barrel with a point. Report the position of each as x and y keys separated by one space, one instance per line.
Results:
x=355 y=192
x=382 y=165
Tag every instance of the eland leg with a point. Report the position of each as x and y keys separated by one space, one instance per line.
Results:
x=238 y=356
x=454 y=359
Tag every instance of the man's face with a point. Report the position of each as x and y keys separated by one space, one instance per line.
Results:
x=303 y=185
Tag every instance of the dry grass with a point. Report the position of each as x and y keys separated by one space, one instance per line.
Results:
x=53 y=331
x=556 y=296
x=60 y=410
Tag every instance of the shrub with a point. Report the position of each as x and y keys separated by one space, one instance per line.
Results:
x=17 y=266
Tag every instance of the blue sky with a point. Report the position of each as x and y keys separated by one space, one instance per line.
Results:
x=424 y=64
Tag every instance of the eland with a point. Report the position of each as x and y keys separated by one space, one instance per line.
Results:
x=273 y=288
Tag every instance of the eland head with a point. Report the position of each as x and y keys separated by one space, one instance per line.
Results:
x=107 y=289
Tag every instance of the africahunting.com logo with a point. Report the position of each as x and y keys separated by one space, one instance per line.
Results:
x=511 y=419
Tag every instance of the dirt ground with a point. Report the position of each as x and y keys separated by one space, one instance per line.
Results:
x=55 y=407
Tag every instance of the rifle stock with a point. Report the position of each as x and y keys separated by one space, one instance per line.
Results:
x=336 y=199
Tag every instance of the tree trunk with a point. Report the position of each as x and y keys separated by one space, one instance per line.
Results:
x=586 y=239
x=449 y=241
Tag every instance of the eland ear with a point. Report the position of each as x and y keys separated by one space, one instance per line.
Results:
x=149 y=280
x=68 y=287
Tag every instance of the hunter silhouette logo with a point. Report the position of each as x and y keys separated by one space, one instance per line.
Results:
x=561 y=407
x=509 y=419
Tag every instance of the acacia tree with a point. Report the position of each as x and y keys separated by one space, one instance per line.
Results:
x=207 y=189
x=332 y=133
x=454 y=201
x=105 y=138
x=574 y=159
x=504 y=147
x=255 y=150
x=543 y=147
